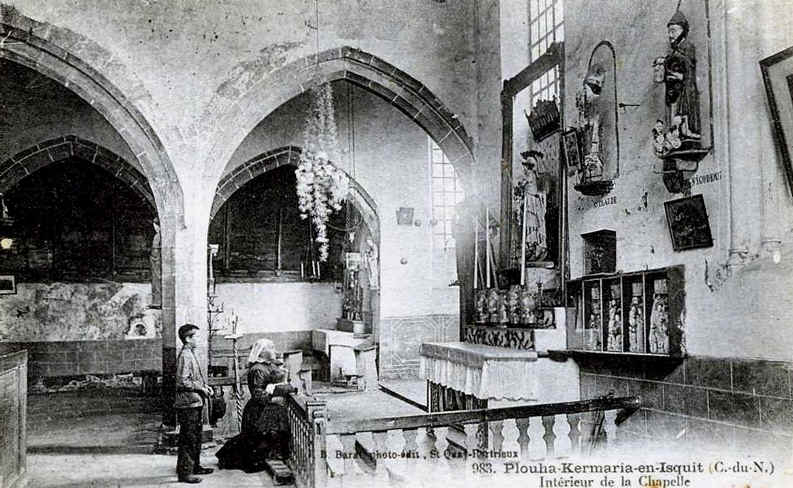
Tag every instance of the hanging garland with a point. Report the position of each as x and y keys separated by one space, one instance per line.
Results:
x=321 y=186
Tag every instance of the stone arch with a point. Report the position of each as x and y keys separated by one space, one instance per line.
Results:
x=24 y=163
x=290 y=155
x=83 y=66
x=248 y=98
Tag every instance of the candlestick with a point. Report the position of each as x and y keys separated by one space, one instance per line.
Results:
x=476 y=253
x=318 y=272
x=523 y=241
x=487 y=247
x=301 y=270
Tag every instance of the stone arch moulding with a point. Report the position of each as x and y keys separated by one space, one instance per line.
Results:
x=84 y=67
x=247 y=105
x=58 y=54
x=284 y=156
x=53 y=151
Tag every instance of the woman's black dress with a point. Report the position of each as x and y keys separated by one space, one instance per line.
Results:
x=265 y=426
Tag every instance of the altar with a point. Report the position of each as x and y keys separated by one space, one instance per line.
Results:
x=464 y=376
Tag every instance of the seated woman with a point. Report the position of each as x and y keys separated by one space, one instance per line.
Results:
x=265 y=427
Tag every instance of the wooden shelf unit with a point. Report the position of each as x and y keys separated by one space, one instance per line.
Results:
x=595 y=297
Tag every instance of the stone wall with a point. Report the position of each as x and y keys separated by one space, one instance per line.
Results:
x=78 y=358
x=719 y=404
x=77 y=312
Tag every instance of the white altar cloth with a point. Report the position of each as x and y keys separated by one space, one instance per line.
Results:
x=486 y=372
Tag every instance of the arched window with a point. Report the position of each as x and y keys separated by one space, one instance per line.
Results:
x=447 y=192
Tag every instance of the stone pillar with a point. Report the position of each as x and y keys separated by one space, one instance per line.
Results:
x=184 y=290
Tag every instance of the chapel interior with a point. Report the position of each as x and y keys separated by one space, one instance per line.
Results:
x=531 y=226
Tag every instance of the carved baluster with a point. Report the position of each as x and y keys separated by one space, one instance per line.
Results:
x=496 y=436
x=381 y=462
x=536 y=442
x=395 y=444
x=366 y=440
x=548 y=436
x=411 y=447
x=561 y=429
x=574 y=420
x=473 y=449
x=424 y=442
x=523 y=438
x=510 y=444
x=442 y=464
x=610 y=426
x=351 y=468
x=335 y=465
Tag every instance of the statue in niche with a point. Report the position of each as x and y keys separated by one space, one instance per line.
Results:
x=682 y=124
x=659 y=319
x=614 y=331
x=635 y=324
x=155 y=261
x=590 y=112
x=529 y=192
x=593 y=324
x=371 y=257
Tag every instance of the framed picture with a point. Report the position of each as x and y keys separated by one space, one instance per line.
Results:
x=572 y=150
x=404 y=216
x=778 y=79
x=7 y=285
x=688 y=223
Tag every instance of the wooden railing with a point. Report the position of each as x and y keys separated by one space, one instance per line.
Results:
x=307 y=426
x=13 y=408
x=452 y=445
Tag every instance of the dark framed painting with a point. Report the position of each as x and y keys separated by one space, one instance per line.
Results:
x=777 y=73
x=404 y=216
x=8 y=285
x=572 y=148
x=688 y=223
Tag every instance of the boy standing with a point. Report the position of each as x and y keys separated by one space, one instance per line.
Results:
x=191 y=389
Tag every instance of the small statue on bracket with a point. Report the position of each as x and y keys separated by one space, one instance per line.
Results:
x=680 y=131
x=589 y=120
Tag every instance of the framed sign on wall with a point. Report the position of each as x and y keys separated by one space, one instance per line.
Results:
x=778 y=79
x=688 y=222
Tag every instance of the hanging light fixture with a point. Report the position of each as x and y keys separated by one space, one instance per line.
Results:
x=6 y=226
x=321 y=186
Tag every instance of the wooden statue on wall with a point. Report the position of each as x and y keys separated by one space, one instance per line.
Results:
x=530 y=204
x=589 y=120
x=677 y=138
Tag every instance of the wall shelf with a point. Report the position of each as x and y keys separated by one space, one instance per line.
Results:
x=637 y=314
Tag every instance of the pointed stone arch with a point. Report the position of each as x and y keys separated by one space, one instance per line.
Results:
x=289 y=156
x=248 y=98
x=86 y=68
x=53 y=151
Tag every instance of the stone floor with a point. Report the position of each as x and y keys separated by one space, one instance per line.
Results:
x=114 y=450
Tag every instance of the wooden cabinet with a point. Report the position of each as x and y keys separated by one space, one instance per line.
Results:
x=630 y=313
